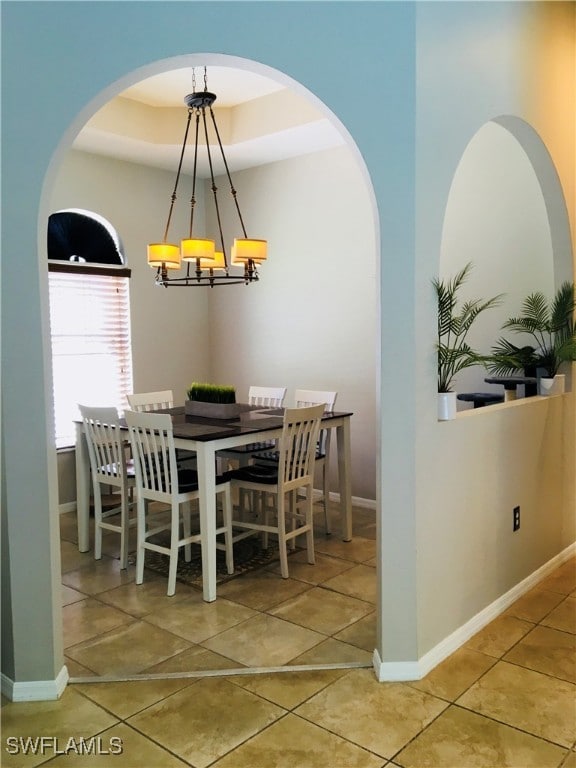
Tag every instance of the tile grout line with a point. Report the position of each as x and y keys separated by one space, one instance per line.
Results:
x=510 y=725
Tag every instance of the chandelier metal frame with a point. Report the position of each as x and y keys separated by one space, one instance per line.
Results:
x=201 y=270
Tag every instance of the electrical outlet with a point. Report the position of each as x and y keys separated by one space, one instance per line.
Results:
x=516 y=518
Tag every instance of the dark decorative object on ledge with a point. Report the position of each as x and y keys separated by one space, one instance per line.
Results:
x=511 y=384
x=481 y=399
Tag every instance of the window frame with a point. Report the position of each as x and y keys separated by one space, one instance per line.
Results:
x=83 y=271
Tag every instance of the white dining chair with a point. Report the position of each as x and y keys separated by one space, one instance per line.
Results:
x=292 y=475
x=151 y=401
x=304 y=398
x=146 y=402
x=159 y=479
x=266 y=397
x=109 y=468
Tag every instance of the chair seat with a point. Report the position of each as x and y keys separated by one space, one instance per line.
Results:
x=254 y=473
x=188 y=480
x=273 y=456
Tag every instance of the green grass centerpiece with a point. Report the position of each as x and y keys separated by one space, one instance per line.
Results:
x=211 y=393
x=213 y=401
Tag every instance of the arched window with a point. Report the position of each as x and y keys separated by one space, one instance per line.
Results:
x=89 y=317
x=81 y=236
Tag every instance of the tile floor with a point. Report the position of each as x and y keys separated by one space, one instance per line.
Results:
x=506 y=699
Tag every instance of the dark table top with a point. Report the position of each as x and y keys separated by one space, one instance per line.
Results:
x=257 y=420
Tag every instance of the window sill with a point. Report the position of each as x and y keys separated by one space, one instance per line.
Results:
x=66 y=449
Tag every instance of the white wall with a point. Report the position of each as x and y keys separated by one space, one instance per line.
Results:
x=169 y=333
x=310 y=322
x=484 y=464
x=496 y=218
x=426 y=77
x=471 y=472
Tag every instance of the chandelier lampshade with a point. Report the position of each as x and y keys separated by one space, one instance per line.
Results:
x=197 y=248
x=218 y=262
x=164 y=254
x=245 y=249
x=204 y=260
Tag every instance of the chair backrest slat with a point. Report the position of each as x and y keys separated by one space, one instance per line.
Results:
x=297 y=446
x=104 y=440
x=267 y=397
x=152 y=440
x=306 y=397
x=151 y=401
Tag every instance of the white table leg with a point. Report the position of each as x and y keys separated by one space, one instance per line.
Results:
x=82 y=490
x=345 y=486
x=207 y=491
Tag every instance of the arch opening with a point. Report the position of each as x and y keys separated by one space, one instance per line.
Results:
x=346 y=142
x=507 y=215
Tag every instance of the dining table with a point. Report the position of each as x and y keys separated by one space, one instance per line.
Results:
x=205 y=437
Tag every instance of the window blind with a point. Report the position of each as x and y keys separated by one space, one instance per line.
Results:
x=91 y=346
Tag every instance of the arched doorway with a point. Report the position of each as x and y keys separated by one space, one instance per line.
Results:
x=355 y=174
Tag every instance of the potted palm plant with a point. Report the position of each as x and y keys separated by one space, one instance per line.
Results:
x=550 y=324
x=455 y=320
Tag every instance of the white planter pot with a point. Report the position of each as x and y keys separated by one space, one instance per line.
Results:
x=446 y=406
x=555 y=386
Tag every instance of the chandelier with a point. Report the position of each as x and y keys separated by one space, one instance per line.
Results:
x=205 y=262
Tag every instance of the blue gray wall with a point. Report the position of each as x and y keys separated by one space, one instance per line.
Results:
x=412 y=83
x=58 y=61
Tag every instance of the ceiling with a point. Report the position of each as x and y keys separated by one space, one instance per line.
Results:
x=252 y=104
x=232 y=87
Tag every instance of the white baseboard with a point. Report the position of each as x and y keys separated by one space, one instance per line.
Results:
x=35 y=690
x=357 y=501
x=70 y=506
x=395 y=671
x=416 y=670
